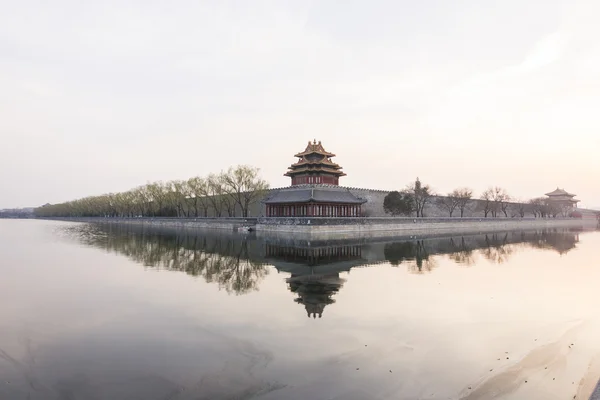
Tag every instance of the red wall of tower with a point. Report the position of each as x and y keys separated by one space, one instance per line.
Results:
x=315 y=179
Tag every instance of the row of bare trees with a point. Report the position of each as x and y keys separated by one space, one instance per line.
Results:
x=229 y=193
x=494 y=202
x=417 y=195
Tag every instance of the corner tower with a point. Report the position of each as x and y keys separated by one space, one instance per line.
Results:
x=314 y=166
x=315 y=190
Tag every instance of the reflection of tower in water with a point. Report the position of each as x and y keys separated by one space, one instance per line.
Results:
x=315 y=272
x=315 y=291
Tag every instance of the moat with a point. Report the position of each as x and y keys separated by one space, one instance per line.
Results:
x=109 y=311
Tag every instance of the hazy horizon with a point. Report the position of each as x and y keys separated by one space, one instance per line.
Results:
x=104 y=97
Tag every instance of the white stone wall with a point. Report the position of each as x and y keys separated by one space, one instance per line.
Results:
x=374 y=206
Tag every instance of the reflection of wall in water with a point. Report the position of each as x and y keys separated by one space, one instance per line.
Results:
x=313 y=256
x=238 y=264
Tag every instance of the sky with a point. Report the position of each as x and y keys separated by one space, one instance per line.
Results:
x=99 y=97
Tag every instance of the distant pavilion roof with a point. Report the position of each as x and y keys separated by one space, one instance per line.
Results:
x=560 y=192
x=313 y=194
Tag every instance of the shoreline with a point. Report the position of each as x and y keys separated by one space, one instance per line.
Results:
x=596 y=394
x=343 y=228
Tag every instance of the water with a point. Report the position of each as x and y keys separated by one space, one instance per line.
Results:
x=107 y=312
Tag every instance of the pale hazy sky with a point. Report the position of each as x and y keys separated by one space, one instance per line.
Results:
x=104 y=96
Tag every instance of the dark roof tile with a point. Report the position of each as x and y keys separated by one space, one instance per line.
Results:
x=317 y=195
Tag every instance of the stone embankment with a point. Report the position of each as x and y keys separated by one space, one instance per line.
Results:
x=229 y=224
x=353 y=227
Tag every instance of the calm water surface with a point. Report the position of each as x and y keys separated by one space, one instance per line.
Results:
x=105 y=312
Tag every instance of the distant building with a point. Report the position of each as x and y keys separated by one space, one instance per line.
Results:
x=562 y=198
x=17 y=212
x=315 y=190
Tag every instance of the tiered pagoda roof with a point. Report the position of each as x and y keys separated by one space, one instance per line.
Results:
x=560 y=192
x=314 y=194
x=561 y=195
x=314 y=148
x=315 y=159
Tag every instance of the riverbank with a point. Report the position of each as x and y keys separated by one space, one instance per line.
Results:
x=596 y=394
x=315 y=228
x=350 y=227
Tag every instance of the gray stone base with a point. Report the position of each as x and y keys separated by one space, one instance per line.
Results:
x=348 y=228
x=386 y=227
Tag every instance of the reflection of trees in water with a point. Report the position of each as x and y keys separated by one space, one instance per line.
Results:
x=497 y=249
x=420 y=255
x=238 y=265
x=560 y=241
x=222 y=260
x=415 y=255
x=461 y=253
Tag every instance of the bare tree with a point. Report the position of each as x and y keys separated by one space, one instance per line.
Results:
x=488 y=199
x=239 y=186
x=158 y=194
x=449 y=203
x=538 y=207
x=245 y=186
x=553 y=209
x=495 y=200
x=458 y=198
x=215 y=194
x=463 y=195
x=199 y=195
x=522 y=208
x=501 y=200
x=420 y=195
x=228 y=196
x=178 y=192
